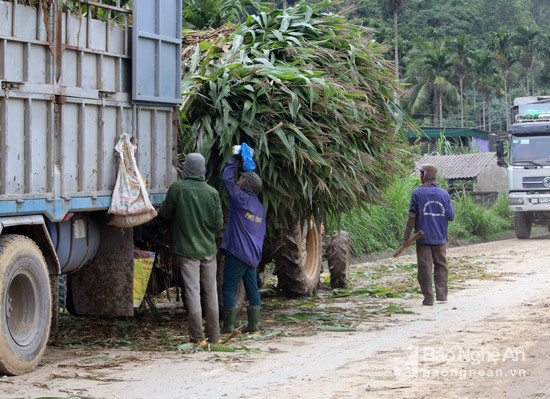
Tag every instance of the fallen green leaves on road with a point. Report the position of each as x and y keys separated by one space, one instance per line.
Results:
x=376 y=291
x=380 y=292
x=310 y=316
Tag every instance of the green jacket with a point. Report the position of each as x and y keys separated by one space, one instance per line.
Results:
x=196 y=213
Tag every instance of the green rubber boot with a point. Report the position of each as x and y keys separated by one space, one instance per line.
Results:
x=228 y=320
x=253 y=313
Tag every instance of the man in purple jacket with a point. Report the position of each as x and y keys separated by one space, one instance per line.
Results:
x=430 y=211
x=242 y=242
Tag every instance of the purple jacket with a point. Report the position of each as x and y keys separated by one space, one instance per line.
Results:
x=245 y=229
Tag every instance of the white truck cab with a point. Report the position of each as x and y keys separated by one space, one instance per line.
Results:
x=528 y=163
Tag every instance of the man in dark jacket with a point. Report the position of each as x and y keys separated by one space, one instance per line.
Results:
x=242 y=242
x=195 y=210
x=430 y=211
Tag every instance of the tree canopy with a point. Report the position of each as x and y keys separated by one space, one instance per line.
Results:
x=512 y=34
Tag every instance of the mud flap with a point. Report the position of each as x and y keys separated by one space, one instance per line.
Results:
x=104 y=287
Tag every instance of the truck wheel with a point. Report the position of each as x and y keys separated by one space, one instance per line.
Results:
x=338 y=257
x=298 y=261
x=522 y=225
x=25 y=303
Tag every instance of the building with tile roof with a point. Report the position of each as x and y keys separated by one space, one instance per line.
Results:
x=480 y=168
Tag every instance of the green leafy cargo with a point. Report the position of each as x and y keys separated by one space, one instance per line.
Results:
x=312 y=94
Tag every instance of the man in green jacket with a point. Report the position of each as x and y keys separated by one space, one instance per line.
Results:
x=195 y=210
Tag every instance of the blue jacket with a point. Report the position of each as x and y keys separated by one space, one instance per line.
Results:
x=245 y=229
x=434 y=211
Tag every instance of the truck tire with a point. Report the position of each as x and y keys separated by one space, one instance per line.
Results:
x=338 y=257
x=522 y=225
x=25 y=303
x=298 y=260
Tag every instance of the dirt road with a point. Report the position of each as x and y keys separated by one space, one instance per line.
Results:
x=490 y=340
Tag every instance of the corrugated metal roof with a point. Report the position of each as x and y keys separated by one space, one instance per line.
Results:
x=464 y=166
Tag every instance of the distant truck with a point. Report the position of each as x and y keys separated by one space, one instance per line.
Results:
x=528 y=163
x=72 y=80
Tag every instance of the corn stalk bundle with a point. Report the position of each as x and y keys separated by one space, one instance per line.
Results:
x=312 y=94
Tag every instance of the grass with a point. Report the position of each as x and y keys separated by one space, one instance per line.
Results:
x=473 y=220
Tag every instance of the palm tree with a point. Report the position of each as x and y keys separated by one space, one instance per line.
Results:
x=525 y=39
x=486 y=73
x=434 y=33
x=543 y=45
x=461 y=64
x=505 y=57
x=394 y=6
x=430 y=70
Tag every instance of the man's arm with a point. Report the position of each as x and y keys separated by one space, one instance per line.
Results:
x=411 y=219
x=229 y=183
x=167 y=207
x=409 y=226
x=450 y=210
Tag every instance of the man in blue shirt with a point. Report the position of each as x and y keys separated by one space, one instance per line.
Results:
x=242 y=242
x=430 y=211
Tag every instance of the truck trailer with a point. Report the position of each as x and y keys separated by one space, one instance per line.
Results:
x=528 y=163
x=74 y=76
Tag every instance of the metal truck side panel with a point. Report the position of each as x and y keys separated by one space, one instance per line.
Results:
x=63 y=105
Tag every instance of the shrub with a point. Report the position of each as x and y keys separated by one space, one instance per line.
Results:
x=473 y=220
x=378 y=228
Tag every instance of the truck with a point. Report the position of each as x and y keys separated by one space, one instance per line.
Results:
x=74 y=76
x=528 y=163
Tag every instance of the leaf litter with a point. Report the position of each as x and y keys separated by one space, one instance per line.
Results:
x=377 y=291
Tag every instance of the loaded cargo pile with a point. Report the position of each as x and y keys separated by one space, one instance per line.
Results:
x=313 y=95
x=310 y=93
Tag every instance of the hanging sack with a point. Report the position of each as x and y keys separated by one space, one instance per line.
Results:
x=130 y=204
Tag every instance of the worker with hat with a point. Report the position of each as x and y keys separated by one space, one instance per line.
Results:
x=242 y=242
x=430 y=211
x=194 y=208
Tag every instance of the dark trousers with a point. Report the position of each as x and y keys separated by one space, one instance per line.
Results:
x=233 y=271
x=436 y=255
